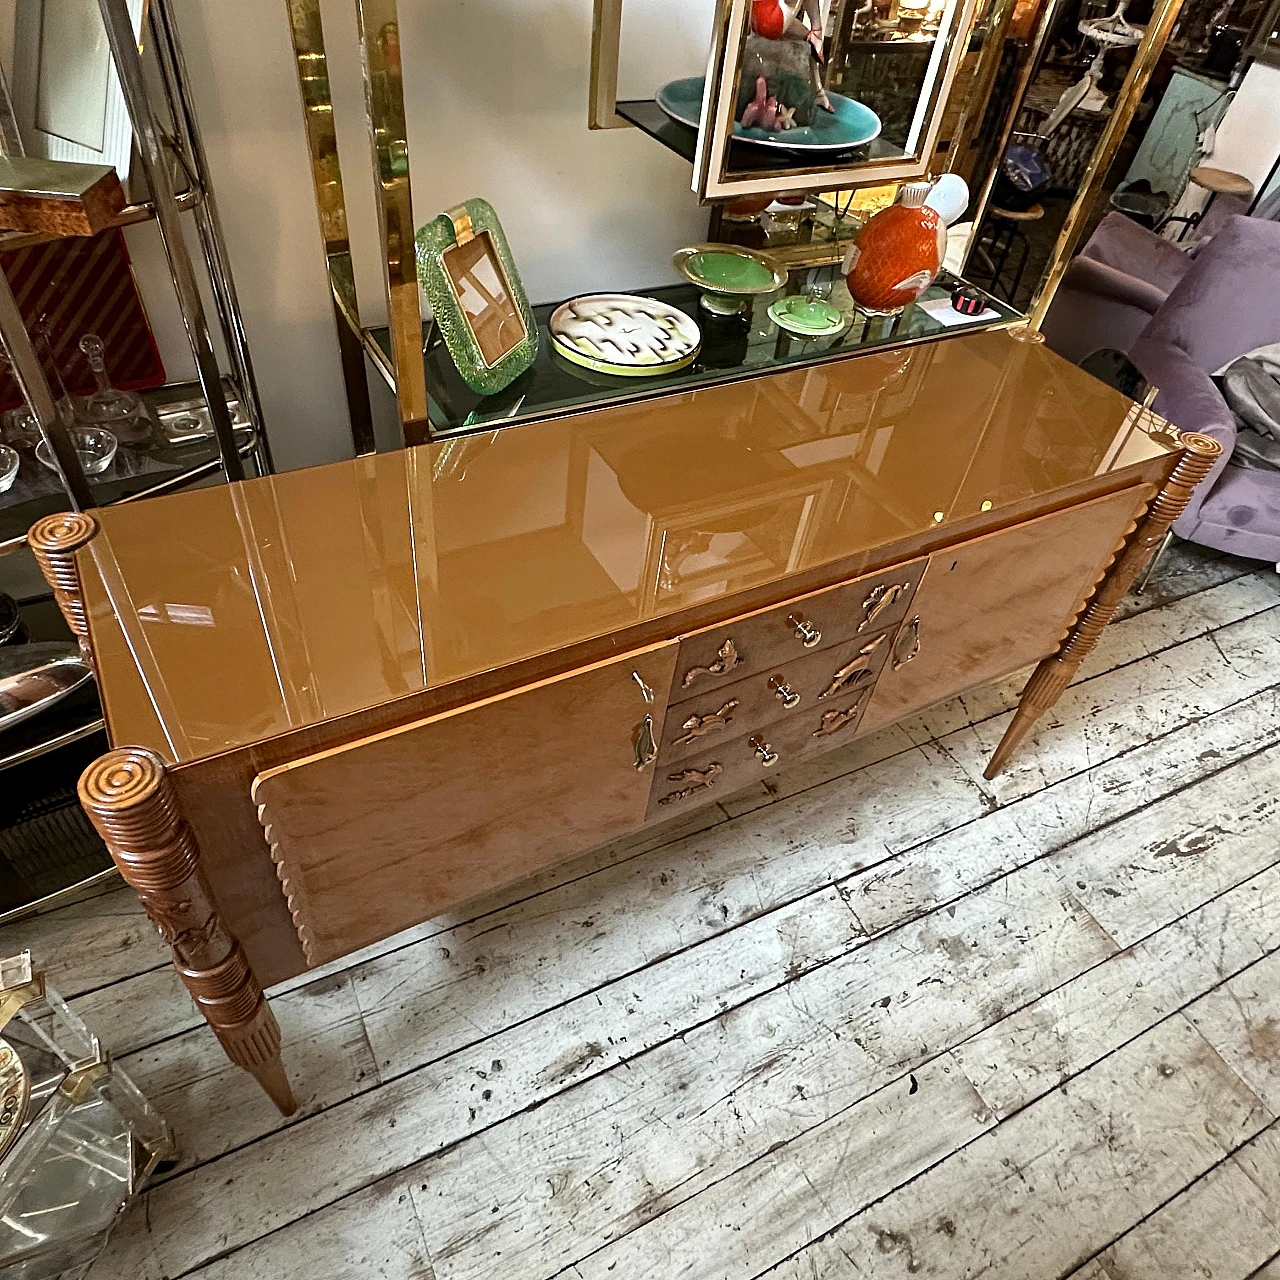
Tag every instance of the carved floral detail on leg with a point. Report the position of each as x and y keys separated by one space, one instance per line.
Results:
x=133 y=805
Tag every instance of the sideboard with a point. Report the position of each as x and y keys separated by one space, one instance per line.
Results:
x=347 y=699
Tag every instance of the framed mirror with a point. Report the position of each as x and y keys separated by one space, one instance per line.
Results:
x=800 y=95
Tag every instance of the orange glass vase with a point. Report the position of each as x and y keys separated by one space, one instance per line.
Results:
x=897 y=255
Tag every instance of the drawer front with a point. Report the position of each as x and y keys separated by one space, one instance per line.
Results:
x=384 y=832
x=1000 y=602
x=698 y=724
x=758 y=642
x=829 y=719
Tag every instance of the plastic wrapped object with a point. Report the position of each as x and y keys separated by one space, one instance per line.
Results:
x=77 y=1139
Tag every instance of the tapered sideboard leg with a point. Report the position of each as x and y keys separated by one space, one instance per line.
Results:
x=132 y=803
x=54 y=540
x=1051 y=678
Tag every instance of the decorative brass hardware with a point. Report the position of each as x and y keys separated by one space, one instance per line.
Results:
x=726 y=659
x=646 y=744
x=855 y=670
x=784 y=692
x=835 y=719
x=646 y=692
x=882 y=597
x=700 y=780
x=697 y=726
x=806 y=632
x=913 y=630
x=768 y=756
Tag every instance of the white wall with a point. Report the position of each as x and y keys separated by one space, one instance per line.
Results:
x=496 y=97
x=1248 y=139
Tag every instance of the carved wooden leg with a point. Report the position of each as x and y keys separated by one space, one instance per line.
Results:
x=54 y=541
x=1055 y=673
x=133 y=805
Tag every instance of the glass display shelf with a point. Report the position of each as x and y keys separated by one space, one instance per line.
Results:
x=733 y=348
x=165 y=461
x=650 y=118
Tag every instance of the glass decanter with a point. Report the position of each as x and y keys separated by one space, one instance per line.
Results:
x=121 y=412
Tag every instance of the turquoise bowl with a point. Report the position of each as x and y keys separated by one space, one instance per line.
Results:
x=851 y=125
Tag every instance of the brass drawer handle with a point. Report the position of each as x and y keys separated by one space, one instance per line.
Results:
x=768 y=756
x=854 y=670
x=784 y=692
x=697 y=780
x=696 y=726
x=646 y=744
x=882 y=597
x=645 y=691
x=913 y=630
x=836 y=719
x=806 y=632
x=726 y=659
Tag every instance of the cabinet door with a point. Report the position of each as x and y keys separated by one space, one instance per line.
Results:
x=382 y=833
x=988 y=607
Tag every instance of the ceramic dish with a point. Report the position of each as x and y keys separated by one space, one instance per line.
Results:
x=624 y=335
x=806 y=317
x=15 y=1095
x=728 y=275
x=96 y=447
x=851 y=125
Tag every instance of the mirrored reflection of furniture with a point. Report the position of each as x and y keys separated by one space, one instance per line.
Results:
x=1109 y=293
x=157 y=108
x=565 y=631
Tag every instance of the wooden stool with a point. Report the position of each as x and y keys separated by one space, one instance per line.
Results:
x=1009 y=234
x=1216 y=182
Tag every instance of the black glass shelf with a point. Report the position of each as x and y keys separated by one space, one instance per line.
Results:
x=732 y=349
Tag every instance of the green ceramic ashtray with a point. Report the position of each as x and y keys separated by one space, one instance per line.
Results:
x=728 y=276
x=806 y=317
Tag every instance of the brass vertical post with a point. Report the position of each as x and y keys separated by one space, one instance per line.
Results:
x=1148 y=52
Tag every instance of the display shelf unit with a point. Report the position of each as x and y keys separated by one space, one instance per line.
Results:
x=733 y=348
x=47 y=849
x=405 y=352
x=175 y=169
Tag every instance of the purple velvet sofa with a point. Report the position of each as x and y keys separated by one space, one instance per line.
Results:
x=1226 y=304
x=1112 y=288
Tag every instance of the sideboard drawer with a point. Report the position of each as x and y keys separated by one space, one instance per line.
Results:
x=758 y=642
x=384 y=832
x=696 y=724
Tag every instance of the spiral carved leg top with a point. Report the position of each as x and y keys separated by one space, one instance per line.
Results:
x=1051 y=678
x=133 y=805
x=54 y=540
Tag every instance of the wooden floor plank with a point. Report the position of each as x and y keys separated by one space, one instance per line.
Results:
x=1043 y=1191
x=1223 y=1227
x=643 y=1137
x=1034 y=1050
x=1241 y=1019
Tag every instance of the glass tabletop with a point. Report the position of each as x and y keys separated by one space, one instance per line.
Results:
x=732 y=348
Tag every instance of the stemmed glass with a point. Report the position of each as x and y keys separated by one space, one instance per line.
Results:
x=121 y=412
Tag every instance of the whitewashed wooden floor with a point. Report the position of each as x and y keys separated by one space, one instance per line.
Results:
x=881 y=1019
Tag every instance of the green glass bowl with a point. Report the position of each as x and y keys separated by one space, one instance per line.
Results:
x=728 y=275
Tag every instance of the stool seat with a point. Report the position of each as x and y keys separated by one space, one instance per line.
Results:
x=1222 y=182
x=1034 y=214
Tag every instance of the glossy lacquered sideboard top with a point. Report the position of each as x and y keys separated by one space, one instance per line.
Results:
x=225 y=616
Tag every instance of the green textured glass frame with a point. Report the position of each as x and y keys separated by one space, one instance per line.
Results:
x=468 y=225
